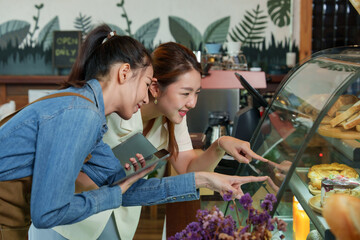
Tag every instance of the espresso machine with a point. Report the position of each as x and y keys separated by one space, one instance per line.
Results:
x=218 y=125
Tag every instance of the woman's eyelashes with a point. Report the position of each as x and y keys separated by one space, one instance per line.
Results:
x=188 y=93
x=148 y=84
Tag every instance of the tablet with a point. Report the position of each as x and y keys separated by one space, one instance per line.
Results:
x=158 y=159
x=138 y=143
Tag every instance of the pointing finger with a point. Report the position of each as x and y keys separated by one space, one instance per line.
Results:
x=255 y=179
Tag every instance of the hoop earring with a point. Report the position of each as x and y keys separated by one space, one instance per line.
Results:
x=155 y=101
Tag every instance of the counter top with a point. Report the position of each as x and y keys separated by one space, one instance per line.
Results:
x=225 y=79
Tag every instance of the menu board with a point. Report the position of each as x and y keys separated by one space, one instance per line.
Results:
x=66 y=46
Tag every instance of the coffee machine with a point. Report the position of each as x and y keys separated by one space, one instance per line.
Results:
x=218 y=125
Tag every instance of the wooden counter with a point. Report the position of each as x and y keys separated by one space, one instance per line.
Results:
x=16 y=87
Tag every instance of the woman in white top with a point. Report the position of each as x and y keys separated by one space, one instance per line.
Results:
x=163 y=122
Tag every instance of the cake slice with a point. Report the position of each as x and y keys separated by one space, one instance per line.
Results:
x=339 y=184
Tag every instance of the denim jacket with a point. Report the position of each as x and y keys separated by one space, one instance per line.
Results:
x=50 y=140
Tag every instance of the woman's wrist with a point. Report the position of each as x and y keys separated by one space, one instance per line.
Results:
x=201 y=179
x=124 y=187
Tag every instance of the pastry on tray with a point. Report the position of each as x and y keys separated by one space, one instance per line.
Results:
x=344 y=101
x=313 y=190
x=343 y=119
x=318 y=172
x=339 y=132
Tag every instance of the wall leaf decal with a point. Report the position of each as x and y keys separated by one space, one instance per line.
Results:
x=13 y=32
x=147 y=32
x=83 y=23
x=188 y=35
x=251 y=29
x=45 y=38
x=279 y=12
x=217 y=31
x=185 y=33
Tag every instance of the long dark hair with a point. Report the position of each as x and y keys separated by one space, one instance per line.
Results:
x=96 y=56
x=170 y=60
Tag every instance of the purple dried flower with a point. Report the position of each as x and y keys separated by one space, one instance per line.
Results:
x=267 y=205
x=270 y=197
x=228 y=196
x=194 y=226
x=253 y=216
x=255 y=219
x=212 y=224
x=178 y=235
x=270 y=226
x=244 y=229
x=246 y=201
x=263 y=218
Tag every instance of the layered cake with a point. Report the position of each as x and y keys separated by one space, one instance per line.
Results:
x=339 y=184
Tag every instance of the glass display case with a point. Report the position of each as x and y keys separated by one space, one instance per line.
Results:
x=301 y=128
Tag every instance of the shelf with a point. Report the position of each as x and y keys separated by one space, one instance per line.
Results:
x=14 y=79
x=349 y=147
x=299 y=188
x=15 y=88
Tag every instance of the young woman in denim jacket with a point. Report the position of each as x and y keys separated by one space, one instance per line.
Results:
x=163 y=122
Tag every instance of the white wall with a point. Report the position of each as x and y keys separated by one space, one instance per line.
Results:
x=199 y=12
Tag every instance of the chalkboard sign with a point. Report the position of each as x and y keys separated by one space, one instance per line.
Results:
x=66 y=46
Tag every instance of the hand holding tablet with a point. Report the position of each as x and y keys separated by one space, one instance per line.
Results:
x=138 y=152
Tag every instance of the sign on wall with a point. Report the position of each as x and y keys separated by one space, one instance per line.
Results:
x=66 y=46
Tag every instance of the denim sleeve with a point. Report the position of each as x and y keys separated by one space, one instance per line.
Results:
x=165 y=190
x=63 y=142
x=103 y=167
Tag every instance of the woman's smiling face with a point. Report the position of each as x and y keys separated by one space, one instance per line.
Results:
x=181 y=96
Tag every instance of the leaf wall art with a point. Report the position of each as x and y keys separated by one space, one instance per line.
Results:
x=262 y=27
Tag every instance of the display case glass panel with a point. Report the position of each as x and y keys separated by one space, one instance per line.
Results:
x=298 y=129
